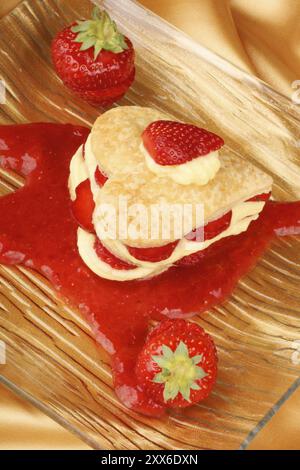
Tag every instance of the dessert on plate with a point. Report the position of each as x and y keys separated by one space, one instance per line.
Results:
x=141 y=223
x=140 y=284
x=143 y=157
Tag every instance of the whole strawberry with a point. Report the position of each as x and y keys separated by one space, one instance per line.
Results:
x=178 y=364
x=94 y=59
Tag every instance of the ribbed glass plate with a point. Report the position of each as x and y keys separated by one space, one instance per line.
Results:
x=52 y=358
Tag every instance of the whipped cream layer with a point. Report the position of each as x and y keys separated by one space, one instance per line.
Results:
x=198 y=171
x=242 y=215
x=78 y=172
x=81 y=168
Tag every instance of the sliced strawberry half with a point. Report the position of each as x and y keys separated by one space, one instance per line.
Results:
x=212 y=229
x=153 y=255
x=216 y=227
x=84 y=206
x=100 y=177
x=261 y=197
x=175 y=143
x=106 y=256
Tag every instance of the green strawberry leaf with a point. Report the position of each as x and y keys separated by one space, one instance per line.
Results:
x=179 y=372
x=101 y=33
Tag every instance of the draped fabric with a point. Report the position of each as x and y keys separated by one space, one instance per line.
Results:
x=23 y=427
x=261 y=37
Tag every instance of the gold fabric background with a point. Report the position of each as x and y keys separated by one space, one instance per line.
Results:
x=262 y=37
x=24 y=427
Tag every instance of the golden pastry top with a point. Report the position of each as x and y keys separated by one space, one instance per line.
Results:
x=116 y=145
x=116 y=138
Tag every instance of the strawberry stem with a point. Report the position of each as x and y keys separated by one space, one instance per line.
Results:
x=100 y=32
x=179 y=372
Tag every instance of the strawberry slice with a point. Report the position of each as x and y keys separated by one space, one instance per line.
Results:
x=157 y=254
x=100 y=177
x=175 y=143
x=178 y=365
x=111 y=259
x=212 y=229
x=84 y=206
x=261 y=197
x=153 y=255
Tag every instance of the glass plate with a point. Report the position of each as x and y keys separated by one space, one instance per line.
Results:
x=52 y=358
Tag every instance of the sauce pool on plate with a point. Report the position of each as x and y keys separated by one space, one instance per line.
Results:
x=38 y=230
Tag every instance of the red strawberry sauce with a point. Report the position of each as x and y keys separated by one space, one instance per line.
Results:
x=37 y=230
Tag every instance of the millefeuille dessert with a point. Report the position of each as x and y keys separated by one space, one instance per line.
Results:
x=145 y=158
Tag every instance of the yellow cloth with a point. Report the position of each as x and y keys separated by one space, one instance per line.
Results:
x=23 y=427
x=262 y=37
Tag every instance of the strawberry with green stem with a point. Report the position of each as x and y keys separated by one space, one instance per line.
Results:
x=178 y=364
x=94 y=59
